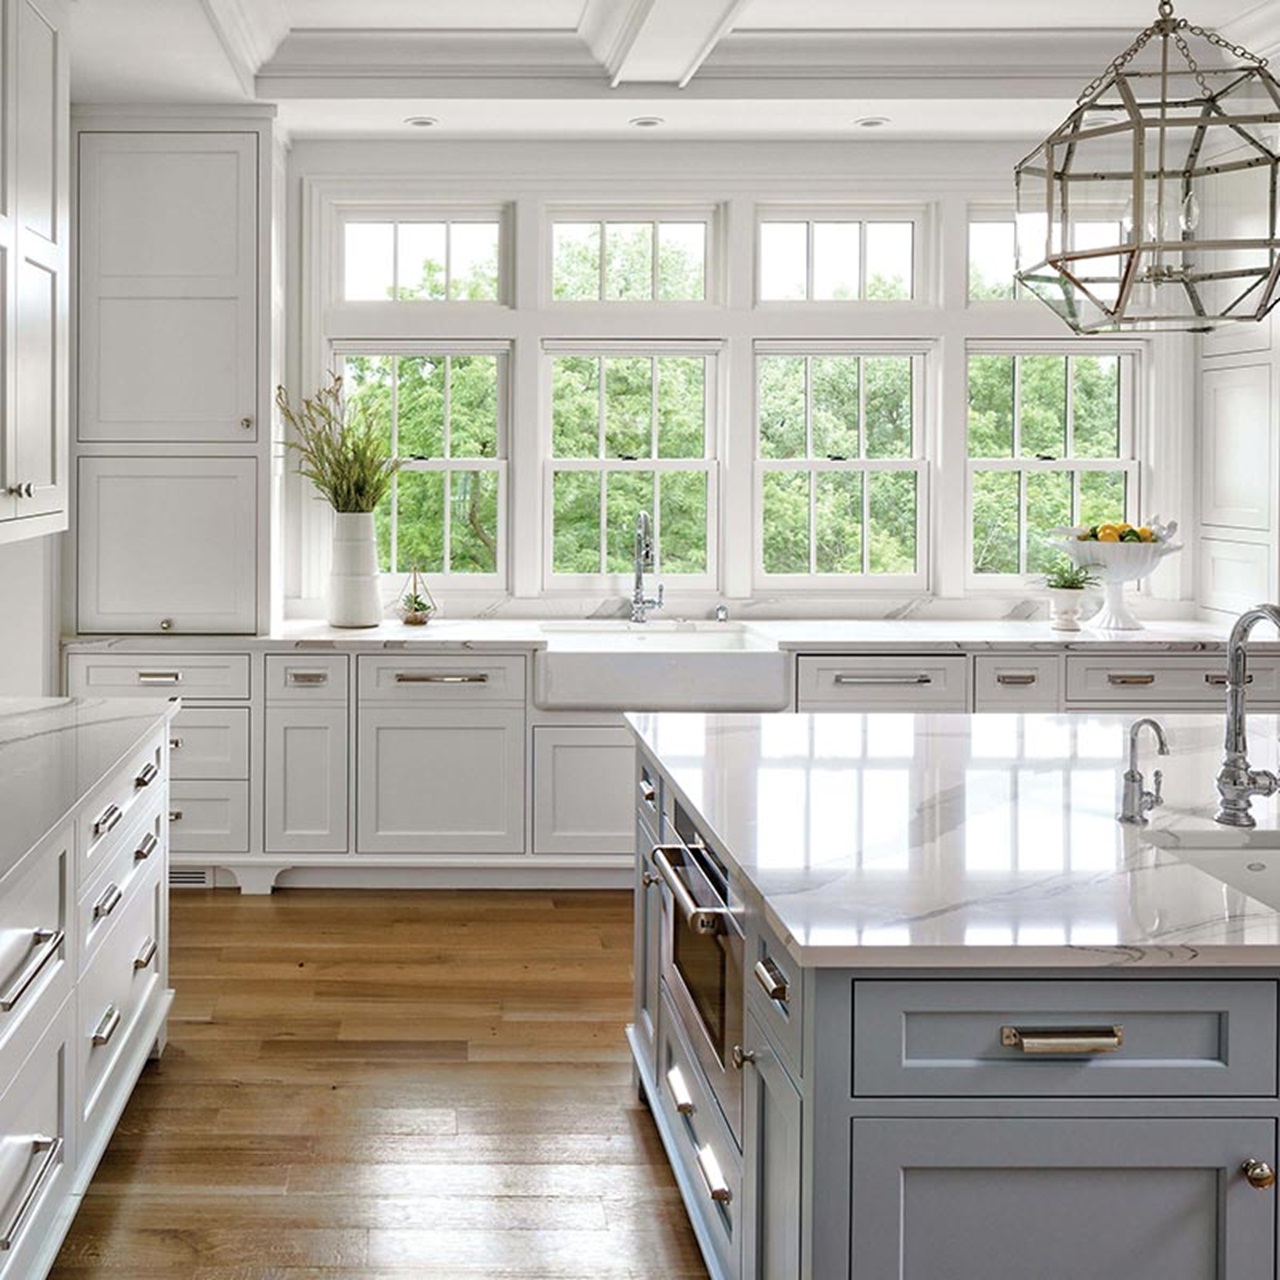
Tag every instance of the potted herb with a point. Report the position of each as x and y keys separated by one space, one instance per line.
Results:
x=1066 y=584
x=345 y=455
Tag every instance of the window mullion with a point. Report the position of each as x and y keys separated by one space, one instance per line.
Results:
x=1017 y=407
x=1069 y=399
x=1022 y=521
x=447 y=449
x=604 y=254
x=448 y=261
x=653 y=262
x=393 y=521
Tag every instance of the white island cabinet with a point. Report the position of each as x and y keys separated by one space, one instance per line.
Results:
x=84 y=988
x=970 y=1025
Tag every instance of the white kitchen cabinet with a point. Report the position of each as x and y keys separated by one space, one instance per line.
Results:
x=582 y=789
x=169 y=280
x=882 y=683
x=167 y=544
x=34 y=271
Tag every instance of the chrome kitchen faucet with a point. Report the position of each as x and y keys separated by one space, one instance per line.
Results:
x=1136 y=802
x=644 y=560
x=1237 y=782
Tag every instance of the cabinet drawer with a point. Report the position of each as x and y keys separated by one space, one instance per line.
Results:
x=37 y=1137
x=882 y=684
x=110 y=811
x=1184 y=1038
x=115 y=988
x=102 y=902
x=776 y=994
x=705 y=1154
x=443 y=680
x=306 y=677
x=1017 y=683
x=209 y=742
x=209 y=817
x=1162 y=681
x=35 y=948
x=186 y=675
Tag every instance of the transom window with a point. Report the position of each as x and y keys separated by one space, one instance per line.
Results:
x=839 y=473
x=444 y=414
x=836 y=260
x=630 y=432
x=1050 y=445
x=630 y=260
x=454 y=260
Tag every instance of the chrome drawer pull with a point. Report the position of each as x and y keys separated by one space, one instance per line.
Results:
x=52 y=1150
x=108 y=819
x=1219 y=681
x=1116 y=678
x=107 y=1026
x=1016 y=679
x=308 y=677
x=147 y=954
x=709 y=1167
x=50 y=943
x=649 y=793
x=175 y=744
x=146 y=847
x=843 y=677
x=771 y=981
x=699 y=919
x=159 y=677
x=148 y=775
x=109 y=901
x=1063 y=1040
x=418 y=677
x=680 y=1092
x=175 y=815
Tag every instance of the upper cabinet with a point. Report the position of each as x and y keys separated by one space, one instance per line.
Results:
x=34 y=269
x=169 y=287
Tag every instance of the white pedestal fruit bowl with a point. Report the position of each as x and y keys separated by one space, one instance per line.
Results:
x=1114 y=564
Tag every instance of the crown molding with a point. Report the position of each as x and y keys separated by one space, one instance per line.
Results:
x=249 y=31
x=1258 y=29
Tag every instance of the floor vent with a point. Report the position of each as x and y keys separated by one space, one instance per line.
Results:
x=190 y=877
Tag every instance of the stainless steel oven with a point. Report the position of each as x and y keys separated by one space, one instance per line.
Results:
x=702 y=958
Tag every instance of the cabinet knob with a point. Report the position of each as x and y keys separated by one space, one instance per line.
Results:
x=742 y=1056
x=23 y=489
x=1259 y=1174
x=166 y=624
x=247 y=423
x=647 y=879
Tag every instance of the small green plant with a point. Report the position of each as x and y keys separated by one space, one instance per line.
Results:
x=1069 y=577
x=342 y=452
x=414 y=603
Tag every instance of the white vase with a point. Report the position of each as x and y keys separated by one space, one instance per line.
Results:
x=353 y=577
x=1064 y=608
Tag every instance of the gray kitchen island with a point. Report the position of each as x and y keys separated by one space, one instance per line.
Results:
x=911 y=1003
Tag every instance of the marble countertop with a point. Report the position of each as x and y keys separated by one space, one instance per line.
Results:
x=964 y=841
x=54 y=750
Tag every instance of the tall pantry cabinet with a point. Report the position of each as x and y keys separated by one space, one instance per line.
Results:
x=34 y=267
x=173 y=373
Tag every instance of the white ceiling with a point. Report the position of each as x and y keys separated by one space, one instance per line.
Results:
x=804 y=69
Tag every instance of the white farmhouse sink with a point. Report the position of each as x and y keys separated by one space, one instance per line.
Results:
x=659 y=666
x=1255 y=870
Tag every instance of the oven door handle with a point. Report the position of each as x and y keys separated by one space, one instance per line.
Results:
x=703 y=920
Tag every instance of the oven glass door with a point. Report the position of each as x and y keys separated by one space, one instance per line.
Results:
x=701 y=961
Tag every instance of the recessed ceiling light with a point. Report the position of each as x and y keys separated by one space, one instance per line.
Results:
x=422 y=122
x=647 y=122
x=872 y=122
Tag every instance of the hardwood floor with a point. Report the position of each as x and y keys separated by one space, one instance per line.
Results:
x=389 y=1085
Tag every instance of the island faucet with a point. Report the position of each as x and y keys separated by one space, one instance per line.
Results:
x=1236 y=780
x=1136 y=802
x=644 y=560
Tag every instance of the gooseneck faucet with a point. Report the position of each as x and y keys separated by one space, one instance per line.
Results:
x=1136 y=802
x=644 y=560
x=1237 y=782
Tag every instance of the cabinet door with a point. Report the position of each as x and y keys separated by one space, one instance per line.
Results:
x=446 y=781
x=770 y=1165
x=167 y=544
x=582 y=790
x=168 y=287
x=306 y=779
x=648 y=945
x=1055 y=1199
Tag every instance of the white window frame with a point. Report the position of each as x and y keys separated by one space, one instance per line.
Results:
x=922 y=284
x=708 y=465
x=448 y=580
x=708 y=215
x=1131 y=355
x=988 y=213
x=918 y=463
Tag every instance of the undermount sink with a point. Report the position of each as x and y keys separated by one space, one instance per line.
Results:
x=1254 y=870
x=665 y=665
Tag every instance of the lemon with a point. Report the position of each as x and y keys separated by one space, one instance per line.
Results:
x=1108 y=534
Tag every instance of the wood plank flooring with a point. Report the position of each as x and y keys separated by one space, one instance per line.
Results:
x=378 y=1086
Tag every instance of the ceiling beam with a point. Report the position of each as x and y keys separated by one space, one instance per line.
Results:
x=656 y=41
x=250 y=31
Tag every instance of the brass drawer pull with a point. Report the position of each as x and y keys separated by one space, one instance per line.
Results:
x=680 y=1092
x=107 y=1026
x=109 y=901
x=309 y=678
x=713 y=1176
x=147 y=954
x=148 y=775
x=51 y=1148
x=1119 y=678
x=146 y=847
x=50 y=943
x=420 y=677
x=1016 y=679
x=1063 y=1040
x=108 y=819
x=846 y=678
x=159 y=677
x=772 y=981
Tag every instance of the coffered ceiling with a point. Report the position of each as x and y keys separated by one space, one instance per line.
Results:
x=814 y=69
